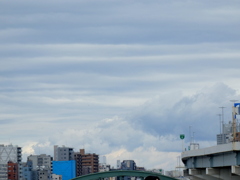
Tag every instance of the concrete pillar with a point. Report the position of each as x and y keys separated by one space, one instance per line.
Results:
x=235 y=170
x=194 y=172
x=214 y=172
x=201 y=174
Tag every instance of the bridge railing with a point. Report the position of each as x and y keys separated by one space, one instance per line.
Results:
x=144 y=175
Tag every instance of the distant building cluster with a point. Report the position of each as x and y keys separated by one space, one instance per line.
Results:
x=64 y=165
x=226 y=135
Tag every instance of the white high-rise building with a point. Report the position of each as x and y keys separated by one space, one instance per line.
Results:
x=9 y=153
x=118 y=164
x=41 y=161
x=104 y=160
x=63 y=153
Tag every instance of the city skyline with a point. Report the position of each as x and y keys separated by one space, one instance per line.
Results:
x=121 y=78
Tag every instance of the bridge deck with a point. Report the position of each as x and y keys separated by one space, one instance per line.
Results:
x=121 y=173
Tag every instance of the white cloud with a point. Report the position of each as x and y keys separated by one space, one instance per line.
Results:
x=149 y=158
x=114 y=138
x=149 y=135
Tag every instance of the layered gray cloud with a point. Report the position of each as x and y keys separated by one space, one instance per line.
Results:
x=108 y=21
x=173 y=115
x=119 y=78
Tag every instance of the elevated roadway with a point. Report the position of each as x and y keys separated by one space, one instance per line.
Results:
x=221 y=162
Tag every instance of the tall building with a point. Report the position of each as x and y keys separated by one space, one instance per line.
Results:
x=86 y=163
x=127 y=165
x=118 y=164
x=12 y=171
x=27 y=173
x=67 y=169
x=38 y=167
x=41 y=161
x=104 y=160
x=63 y=153
x=78 y=159
x=9 y=153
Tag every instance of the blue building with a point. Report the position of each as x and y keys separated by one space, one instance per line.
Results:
x=27 y=173
x=65 y=168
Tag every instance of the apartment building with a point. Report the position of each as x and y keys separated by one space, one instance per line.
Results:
x=63 y=153
x=12 y=170
x=38 y=167
x=86 y=163
x=41 y=161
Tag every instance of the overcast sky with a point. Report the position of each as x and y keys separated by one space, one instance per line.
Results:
x=119 y=78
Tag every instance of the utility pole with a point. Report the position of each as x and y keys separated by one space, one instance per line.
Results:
x=220 y=122
x=233 y=121
x=190 y=134
x=222 y=115
x=193 y=137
